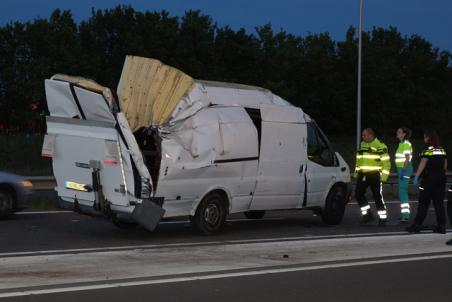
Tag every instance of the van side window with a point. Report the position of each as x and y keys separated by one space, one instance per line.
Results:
x=319 y=150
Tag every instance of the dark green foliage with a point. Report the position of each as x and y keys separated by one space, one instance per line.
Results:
x=405 y=79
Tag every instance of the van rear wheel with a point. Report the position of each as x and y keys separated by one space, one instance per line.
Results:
x=210 y=214
x=334 y=205
x=254 y=214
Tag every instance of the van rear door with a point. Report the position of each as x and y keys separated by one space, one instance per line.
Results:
x=79 y=147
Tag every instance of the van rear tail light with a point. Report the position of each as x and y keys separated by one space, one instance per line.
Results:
x=110 y=162
x=111 y=156
x=48 y=146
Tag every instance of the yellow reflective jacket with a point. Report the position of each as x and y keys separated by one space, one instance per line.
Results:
x=373 y=157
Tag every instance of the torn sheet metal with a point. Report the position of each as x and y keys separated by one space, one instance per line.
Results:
x=60 y=100
x=133 y=150
x=211 y=135
x=91 y=85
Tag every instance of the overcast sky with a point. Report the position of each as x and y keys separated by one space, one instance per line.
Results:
x=431 y=19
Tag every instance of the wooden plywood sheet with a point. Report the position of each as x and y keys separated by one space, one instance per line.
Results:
x=149 y=91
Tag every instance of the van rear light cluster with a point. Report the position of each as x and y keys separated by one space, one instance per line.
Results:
x=110 y=161
x=111 y=156
x=48 y=146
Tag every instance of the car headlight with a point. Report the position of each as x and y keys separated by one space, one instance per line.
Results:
x=26 y=183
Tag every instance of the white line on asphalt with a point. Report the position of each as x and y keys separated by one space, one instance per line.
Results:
x=386 y=202
x=42 y=212
x=225 y=242
x=229 y=220
x=214 y=276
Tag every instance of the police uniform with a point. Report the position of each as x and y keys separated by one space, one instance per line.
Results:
x=372 y=167
x=432 y=188
x=403 y=176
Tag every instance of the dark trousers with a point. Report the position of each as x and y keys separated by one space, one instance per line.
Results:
x=373 y=181
x=431 y=191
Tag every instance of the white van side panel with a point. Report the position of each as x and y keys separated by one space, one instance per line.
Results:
x=282 y=114
x=215 y=149
x=320 y=180
x=280 y=180
x=184 y=189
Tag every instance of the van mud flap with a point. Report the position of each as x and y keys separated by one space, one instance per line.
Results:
x=148 y=214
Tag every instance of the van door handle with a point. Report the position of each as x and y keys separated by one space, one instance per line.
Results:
x=301 y=169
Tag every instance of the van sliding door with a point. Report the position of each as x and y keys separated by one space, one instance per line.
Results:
x=282 y=162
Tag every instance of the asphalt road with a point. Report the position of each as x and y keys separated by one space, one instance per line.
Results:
x=37 y=231
x=287 y=256
x=407 y=281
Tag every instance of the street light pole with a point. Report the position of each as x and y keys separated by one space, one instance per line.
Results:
x=358 y=101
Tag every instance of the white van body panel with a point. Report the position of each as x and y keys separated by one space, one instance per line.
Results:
x=200 y=159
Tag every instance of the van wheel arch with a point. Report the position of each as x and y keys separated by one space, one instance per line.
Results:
x=211 y=212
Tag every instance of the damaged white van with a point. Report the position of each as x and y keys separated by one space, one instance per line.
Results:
x=170 y=146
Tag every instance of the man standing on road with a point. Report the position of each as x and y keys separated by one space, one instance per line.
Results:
x=372 y=168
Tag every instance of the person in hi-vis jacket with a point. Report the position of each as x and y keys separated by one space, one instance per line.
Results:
x=372 y=168
x=403 y=158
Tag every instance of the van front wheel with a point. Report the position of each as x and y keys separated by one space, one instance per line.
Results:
x=210 y=214
x=334 y=205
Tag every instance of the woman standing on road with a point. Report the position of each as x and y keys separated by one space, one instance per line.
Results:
x=432 y=170
x=403 y=157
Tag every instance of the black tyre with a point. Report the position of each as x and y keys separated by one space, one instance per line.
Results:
x=335 y=205
x=210 y=214
x=6 y=204
x=254 y=214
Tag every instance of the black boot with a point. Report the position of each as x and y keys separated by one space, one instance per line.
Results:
x=440 y=229
x=367 y=218
x=414 y=228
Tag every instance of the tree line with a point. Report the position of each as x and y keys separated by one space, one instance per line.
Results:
x=406 y=81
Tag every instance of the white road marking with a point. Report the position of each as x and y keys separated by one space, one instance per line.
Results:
x=42 y=212
x=215 y=276
x=190 y=244
x=386 y=202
